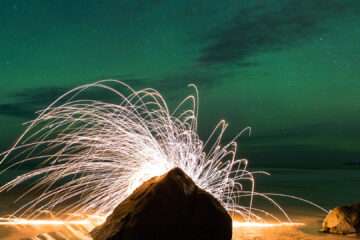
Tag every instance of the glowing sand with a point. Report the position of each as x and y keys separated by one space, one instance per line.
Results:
x=255 y=224
x=88 y=220
x=22 y=221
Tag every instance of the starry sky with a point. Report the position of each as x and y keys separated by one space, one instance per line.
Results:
x=290 y=69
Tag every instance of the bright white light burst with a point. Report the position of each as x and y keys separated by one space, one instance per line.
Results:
x=93 y=153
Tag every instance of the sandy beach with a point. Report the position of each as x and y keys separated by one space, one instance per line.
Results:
x=317 y=186
x=310 y=231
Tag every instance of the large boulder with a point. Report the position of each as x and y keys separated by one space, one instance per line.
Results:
x=343 y=220
x=166 y=207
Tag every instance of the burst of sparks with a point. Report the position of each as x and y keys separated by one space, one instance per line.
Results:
x=94 y=153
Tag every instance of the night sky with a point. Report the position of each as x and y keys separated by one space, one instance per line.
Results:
x=289 y=69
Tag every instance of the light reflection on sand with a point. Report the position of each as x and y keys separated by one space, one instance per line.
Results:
x=74 y=228
x=9 y=221
x=263 y=225
x=308 y=230
x=55 y=229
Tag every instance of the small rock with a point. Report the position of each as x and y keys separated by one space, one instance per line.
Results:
x=167 y=207
x=343 y=220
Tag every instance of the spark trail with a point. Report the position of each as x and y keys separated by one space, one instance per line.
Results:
x=94 y=153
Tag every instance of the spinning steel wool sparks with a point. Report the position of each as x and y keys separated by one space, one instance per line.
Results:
x=93 y=153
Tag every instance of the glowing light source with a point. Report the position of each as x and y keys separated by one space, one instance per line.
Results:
x=256 y=224
x=94 y=154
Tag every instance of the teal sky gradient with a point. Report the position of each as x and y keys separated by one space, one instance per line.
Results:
x=290 y=69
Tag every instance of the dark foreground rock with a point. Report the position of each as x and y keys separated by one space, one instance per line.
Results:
x=343 y=220
x=167 y=207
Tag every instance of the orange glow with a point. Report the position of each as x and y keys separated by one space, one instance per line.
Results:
x=97 y=220
x=89 y=220
x=255 y=224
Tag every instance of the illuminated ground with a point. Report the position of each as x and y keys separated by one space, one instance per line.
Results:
x=315 y=185
x=305 y=227
x=309 y=231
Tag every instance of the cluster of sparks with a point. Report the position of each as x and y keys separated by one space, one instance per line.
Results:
x=94 y=153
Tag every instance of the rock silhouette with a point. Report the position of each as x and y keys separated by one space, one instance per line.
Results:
x=167 y=207
x=343 y=220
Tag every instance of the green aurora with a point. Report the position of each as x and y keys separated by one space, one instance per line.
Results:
x=289 y=69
